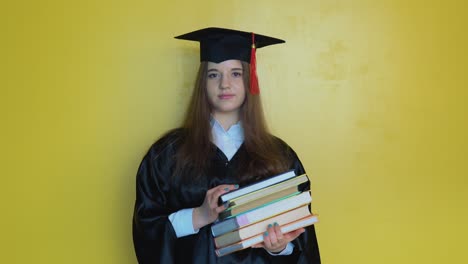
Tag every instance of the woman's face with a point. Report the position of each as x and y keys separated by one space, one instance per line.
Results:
x=225 y=87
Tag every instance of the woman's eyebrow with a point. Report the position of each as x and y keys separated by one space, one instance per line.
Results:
x=211 y=70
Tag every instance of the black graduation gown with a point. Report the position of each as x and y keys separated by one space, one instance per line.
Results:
x=158 y=195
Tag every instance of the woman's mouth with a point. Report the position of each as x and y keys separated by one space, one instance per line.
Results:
x=225 y=96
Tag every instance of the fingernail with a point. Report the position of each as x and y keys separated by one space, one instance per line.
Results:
x=266 y=234
x=236 y=186
x=225 y=205
x=275 y=224
x=270 y=226
x=226 y=189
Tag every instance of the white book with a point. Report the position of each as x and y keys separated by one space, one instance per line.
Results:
x=253 y=196
x=257 y=186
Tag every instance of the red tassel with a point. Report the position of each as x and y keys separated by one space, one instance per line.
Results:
x=254 y=88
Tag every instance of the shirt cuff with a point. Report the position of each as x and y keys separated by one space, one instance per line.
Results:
x=288 y=250
x=182 y=222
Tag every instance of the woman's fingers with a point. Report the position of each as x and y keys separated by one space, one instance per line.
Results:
x=277 y=238
x=209 y=210
x=217 y=192
x=275 y=241
x=266 y=239
x=273 y=238
x=293 y=234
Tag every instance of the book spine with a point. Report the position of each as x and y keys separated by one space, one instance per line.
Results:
x=227 y=239
x=227 y=225
x=236 y=247
x=225 y=214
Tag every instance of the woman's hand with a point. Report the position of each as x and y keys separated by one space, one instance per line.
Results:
x=275 y=241
x=208 y=212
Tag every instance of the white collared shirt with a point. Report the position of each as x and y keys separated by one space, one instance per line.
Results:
x=227 y=141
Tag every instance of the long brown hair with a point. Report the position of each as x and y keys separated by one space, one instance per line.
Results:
x=265 y=156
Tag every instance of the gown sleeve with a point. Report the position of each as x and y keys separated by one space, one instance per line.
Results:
x=305 y=246
x=154 y=237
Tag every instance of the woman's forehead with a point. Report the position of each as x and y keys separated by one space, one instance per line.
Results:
x=227 y=64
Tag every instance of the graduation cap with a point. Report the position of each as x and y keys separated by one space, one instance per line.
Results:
x=220 y=44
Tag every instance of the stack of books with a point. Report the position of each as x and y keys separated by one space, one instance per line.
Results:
x=283 y=199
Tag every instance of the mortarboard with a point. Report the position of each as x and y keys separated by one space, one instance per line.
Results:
x=220 y=44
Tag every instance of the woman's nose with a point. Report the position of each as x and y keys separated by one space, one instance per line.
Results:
x=225 y=82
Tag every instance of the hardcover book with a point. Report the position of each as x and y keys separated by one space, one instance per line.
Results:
x=266 y=196
x=256 y=186
x=260 y=214
x=260 y=227
x=246 y=243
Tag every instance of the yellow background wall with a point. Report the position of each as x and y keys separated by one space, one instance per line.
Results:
x=371 y=94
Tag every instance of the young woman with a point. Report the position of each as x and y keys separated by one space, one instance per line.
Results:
x=223 y=144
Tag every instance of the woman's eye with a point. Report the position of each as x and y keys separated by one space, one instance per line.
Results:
x=212 y=75
x=237 y=74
